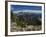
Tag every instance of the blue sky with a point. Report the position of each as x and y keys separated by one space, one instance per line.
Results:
x=24 y=7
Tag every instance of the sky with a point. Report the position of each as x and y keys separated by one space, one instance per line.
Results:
x=22 y=7
x=19 y=8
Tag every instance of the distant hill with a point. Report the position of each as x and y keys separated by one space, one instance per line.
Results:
x=28 y=16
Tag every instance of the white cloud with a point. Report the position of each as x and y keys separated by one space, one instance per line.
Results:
x=31 y=11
